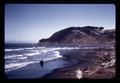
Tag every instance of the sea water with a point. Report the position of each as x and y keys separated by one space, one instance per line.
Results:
x=18 y=56
x=22 y=60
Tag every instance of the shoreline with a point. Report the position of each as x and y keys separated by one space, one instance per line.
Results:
x=36 y=71
x=56 y=72
x=87 y=61
x=94 y=71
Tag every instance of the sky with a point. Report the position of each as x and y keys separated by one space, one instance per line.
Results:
x=31 y=22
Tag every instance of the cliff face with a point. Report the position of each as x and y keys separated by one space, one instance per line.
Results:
x=75 y=36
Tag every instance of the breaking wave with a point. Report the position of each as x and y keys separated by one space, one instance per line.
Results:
x=31 y=55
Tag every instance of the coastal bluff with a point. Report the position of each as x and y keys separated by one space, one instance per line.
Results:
x=77 y=36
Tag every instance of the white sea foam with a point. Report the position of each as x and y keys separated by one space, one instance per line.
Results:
x=52 y=56
x=89 y=47
x=29 y=48
x=14 y=49
x=22 y=57
x=46 y=54
x=64 y=48
x=12 y=56
x=40 y=47
x=18 y=49
x=14 y=66
x=32 y=54
x=8 y=49
x=59 y=48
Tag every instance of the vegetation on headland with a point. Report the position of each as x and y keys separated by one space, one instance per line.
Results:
x=80 y=36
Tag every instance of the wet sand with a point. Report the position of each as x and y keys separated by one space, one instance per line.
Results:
x=34 y=71
x=90 y=65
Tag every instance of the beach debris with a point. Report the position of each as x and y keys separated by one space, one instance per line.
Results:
x=109 y=64
x=79 y=74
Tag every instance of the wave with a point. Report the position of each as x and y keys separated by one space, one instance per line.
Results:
x=52 y=56
x=14 y=66
x=18 y=49
x=29 y=48
x=19 y=58
x=32 y=54
x=58 y=48
x=14 y=49
x=43 y=48
x=46 y=57
x=16 y=57
x=46 y=54
x=89 y=47
x=66 y=48
x=8 y=49
x=12 y=56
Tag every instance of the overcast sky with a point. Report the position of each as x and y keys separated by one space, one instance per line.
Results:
x=31 y=22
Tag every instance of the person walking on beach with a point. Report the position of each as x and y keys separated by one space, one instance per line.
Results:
x=41 y=63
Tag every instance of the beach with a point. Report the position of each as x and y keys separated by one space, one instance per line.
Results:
x=35 y=70
x=91 y=68
x=74 y=64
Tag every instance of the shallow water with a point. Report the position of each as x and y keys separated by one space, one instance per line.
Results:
x=36 y=71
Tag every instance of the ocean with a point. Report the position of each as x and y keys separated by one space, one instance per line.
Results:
x=22 y=60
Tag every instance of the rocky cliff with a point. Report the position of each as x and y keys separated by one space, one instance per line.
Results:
x=75 y=36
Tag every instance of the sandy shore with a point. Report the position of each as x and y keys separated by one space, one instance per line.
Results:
x=90 y=66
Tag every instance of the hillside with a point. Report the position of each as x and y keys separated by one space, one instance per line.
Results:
x=75 y=36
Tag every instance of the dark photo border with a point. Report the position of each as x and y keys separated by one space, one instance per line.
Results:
x=2 y=29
